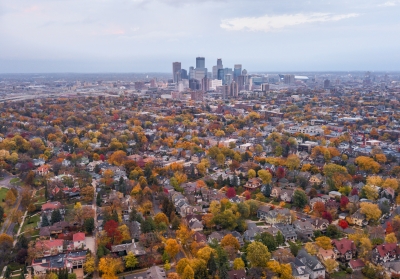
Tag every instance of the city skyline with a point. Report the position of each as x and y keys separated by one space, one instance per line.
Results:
x=126 y=36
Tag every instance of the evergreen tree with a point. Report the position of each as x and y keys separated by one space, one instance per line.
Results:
x=212 y=265
x=45 y=221
x=89 y=225
x=279 y=238
x=1 y=214
x=267 y=190
x=222 y=263
x=56 y=216
x=98 y=199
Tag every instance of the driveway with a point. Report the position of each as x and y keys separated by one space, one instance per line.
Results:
x=90 y=243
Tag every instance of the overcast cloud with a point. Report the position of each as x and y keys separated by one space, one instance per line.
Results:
x=148 y=35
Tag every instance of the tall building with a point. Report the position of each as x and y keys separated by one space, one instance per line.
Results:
x=176 y=71
x=219 y=63
x=228 y=79
x=205 y=84
x=221 y=75
x=184 y=74
x=288 y=79
x=234 y=89
x=200 y=63
x=215 y=83
x=237 y=70
x=327 y=83
x=191 y=72
x=214 y=72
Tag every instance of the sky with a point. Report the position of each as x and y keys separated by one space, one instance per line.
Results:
x=42 y=36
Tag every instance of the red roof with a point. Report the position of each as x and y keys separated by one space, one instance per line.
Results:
x=344 y=245
x=356 y=263
x=78 y=237
x=49 y=244
x=51 y=206
x=386 y=248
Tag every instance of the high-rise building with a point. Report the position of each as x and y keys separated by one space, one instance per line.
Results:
x=221 y=75
x=234 y=89
x=265 y=87
x=214 y=72
x=200 y=62
x=228 y=79
x=327 y=83
x=237 y=70
x=219 y=63
x=191 y=72
x=288 y=79
x=205 y=84
x=176 y=71
x=184 y=74
x=194 y=84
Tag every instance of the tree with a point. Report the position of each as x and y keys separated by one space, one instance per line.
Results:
x=172 y=247
x=344 y=201
x=324 y=242
x=161 y=217
x=1 y=215
x=89 y=266
x=110 y=266
x=88 y=224
x=319 y=207
x=230 y=240
x=343 y=224
x=181 y=265
x=184 y=234
x=205 y=253
x=87 y=193
x=251 y=173
x=45 y=221
x=370 y=191
x=327 y=215
x=293 y=162
x=391 y=238
x=111 y=228
x=299 y=199
x=364 y=247
x=230 y=193
x=371 y=211
x=280 y=240
x=268 y=240
x=391 y=183
x=188 y=273
x=238 y=264
x=311 y=248
x=367 y=164
x=56 y=216
x=130 y=260
x=10 y=198
x=173 y=275
x=331 y=265
x=265 y=176
x=258 y=254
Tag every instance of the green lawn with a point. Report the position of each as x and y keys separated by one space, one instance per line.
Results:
x=39 y=196
x=3 y=192
x=30 y=223
x=339 y=274
x=15 y=180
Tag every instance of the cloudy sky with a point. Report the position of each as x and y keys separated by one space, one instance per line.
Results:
x=148 y=35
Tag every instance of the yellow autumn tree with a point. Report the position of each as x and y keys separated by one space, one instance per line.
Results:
x=110 y=266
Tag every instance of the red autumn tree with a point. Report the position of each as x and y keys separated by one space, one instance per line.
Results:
x=111 y=228
x=231 y=192
x=280 y=172
x=343 y=224
x=327 y=215
x=389 y=228
x=246 y=194
x=343 y=202
x=354 y=192
x=102 y=157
